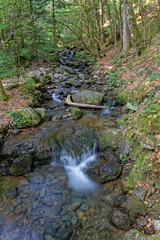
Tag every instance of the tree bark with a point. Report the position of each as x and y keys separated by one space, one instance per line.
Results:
x=3 y=95
x=101 y=19
x=126 y=34
x=54 y=30
x=34 y=33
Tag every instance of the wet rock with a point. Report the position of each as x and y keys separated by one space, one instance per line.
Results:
x=8 y=183
x=74 y=220
x=21 y=165
x=12 y=193
x=134 y=234
x=76 y=113
x=135 y=206
x=107 y=169
x=80 y=214
x=37 y=235
x=2 y=223
x=110 y=139
x=139 y=192
x=64 y=233
x=43 y=113
x=67 y=69
x=66 y=218
x=15 y=131
x=48 y=237
x=88 y=97
x=121 y=220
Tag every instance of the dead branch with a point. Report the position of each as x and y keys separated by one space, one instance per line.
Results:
x=69 y=102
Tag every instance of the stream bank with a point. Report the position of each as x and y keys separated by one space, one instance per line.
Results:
x=42 y=203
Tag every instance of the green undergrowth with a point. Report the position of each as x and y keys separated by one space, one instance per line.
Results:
x=30 y=91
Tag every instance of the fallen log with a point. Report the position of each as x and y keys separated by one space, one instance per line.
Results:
x=68 y=101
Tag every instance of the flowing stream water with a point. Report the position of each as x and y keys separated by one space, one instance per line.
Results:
x=59 y=201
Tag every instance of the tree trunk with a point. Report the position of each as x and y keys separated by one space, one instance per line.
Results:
x=120 y=20
x=33 y=29
x=86 y=15
x=126 y=34
x=3 y=95
x=101 y=19
x=54 y=31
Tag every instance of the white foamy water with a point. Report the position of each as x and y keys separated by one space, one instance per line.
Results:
x=55 y=98
x=106 y=112
x=75 y=168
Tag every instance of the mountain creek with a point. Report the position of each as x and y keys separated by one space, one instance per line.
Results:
x=60 y=165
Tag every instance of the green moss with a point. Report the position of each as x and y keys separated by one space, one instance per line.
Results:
x=138 y=94
x=130 y=177
x=148 y=120
x=25 y=118
x=135 y=148
x=76 y=113
x=122 y=98
x=135 y=234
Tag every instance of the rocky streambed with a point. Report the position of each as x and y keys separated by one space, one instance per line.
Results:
x=60 y=176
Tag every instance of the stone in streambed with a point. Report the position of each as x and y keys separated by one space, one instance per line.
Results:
x=107 y=169
x=121 y=220
x=135 y=206
x=88 y=97
x=134 y=234
x=110 y=139
x=76 y=113
x=21 y=166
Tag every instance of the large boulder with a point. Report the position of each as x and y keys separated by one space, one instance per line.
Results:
x=135 y=206
x=121 y=220
x=23 y=118
x=88 y=97
x=110 y=139
x=106 y=169
x=134 y=234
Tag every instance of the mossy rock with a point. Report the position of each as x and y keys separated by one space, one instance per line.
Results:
x=110 y=139
x=148 y=141
x=121 y=220
x=23 y=118
x=149 y=120
x=43 y=113
x=130 y=177
x=134 y=234
x=134 y=144
x=46 y=79
x=138 y=94
x=76 y=113
x=9 y=182
x=122 y=98
x=88 y=97
x=135 y=206
x=74 y=140
x=21 y=165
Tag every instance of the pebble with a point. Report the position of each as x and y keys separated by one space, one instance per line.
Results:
x=156 y=224
x=80 y=214
x=66 y=218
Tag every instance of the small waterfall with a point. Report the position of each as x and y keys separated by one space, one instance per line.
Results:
x=55 y=98
x=75 y=168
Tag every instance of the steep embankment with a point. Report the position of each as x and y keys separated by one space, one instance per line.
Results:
x=136 y=83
